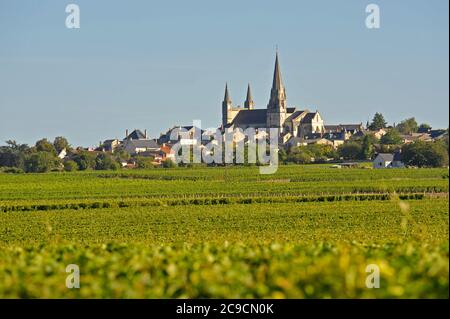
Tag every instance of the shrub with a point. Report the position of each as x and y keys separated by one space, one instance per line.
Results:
x=70 y=166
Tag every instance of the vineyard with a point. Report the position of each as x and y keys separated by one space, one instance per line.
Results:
x=304 y=232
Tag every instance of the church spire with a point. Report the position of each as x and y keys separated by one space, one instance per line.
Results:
x=276 y=109
x=248 y=104
x=277 y=81
x=227 y=95
x=277 y=94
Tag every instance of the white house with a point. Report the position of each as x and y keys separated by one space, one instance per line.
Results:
x=387 y=160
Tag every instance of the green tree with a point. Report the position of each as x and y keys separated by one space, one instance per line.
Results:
x=408 y=126
x=378 y=122
x=144 y=162
x=13 y=154
x=392 y=137
x=85 y=160
x=168 y=164
x=104 y=161
x=44 y=145
x=70 y=166
x=350 y=150
x=61 y=143
x=367 y=148
x=41 y=162
x=299 y=155
x=425 y=154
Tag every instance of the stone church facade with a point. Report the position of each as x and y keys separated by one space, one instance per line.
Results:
x=291 y=122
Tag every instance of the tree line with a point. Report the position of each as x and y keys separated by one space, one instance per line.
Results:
x=365 y=147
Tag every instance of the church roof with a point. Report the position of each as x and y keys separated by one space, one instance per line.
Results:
x=290 y=110
x=246 y=117
x=309 y=117
x=295 y=114
x=136 y=135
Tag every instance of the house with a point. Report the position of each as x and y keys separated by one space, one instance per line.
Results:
x=110 y=145
x=379 y=133
x=134 y=147
x=388 y=160
x=298 y=141
x=136 y=135
x=413 y=137
x=183 y=134
x=348 y=128
x=62 y=154
x=438 y=134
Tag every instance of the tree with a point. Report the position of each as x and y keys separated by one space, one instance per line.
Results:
x=425 y=154
x=300 y=156
x=44 y=145
x=408 y=126
x=392 y=137
x=60 y=143
x=367 y=149
x=13 y=154
x=144 y=162
x=350 y=150
x=378 y=122
x=41 y=162
x=168 y=163
x=85 y=160
x=105 y=161
x=70 y=166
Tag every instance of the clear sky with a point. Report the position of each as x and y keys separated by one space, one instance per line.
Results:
x=152 y=64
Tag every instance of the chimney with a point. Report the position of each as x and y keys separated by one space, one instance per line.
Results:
x=145 y=133
x=126 y=133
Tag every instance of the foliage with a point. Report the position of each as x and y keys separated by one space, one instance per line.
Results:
x=425 y=154
x=85 y=160
x=44 y=145
x=168 y=164
x=60 y=143
x=408 y=126
x=70 y=166
x=304 y=232
x=367 y=148
x=392 y=137
x=299 y=155
x=41 y=162
x=350 y=150
x=144 y=162
x=378 y=122
x=105 y=161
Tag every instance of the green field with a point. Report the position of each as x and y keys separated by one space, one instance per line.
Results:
x=304 y=232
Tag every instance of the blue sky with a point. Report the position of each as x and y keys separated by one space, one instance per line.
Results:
x=153 y=64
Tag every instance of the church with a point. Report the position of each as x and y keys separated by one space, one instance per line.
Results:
x=291 y=122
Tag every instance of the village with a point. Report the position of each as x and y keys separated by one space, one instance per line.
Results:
x=302 y=137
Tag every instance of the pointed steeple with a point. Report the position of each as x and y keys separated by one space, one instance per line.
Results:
x=277 y=93
x=227 y=95
x=276 y=109
x=277 y=81
x=248 y=104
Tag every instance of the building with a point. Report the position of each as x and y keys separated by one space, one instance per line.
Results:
x=142 y=146
x=387 y=160
x=347 y=128
x=182 y=134
x=110 y=145
x=290 y=121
